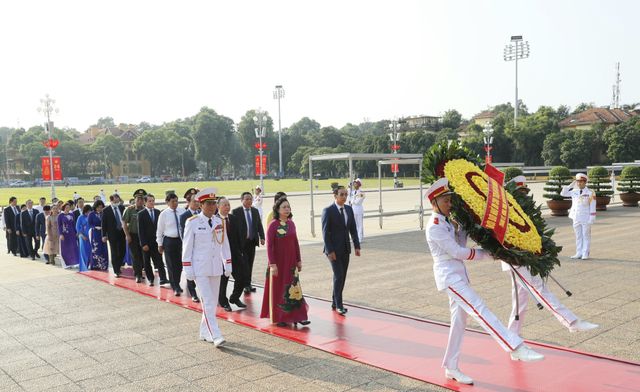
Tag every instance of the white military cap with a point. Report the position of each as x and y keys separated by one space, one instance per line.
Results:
x=439 y=188
x=207 y=194
x=581 y=176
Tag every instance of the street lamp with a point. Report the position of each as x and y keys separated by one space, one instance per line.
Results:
x=394 y=126
x=261 y=131
x=515 y=51
x=278 y=93
x=47 y=108
x=488 y=141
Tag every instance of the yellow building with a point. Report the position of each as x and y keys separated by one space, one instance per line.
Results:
x=590 y=117
x=133 y=165
x=483 y=118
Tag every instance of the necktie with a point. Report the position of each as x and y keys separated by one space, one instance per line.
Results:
x=446 y=218
x=250 y=223
x=226 y=222
x=580 y=191
x=342 y=214
x=118 y=217
x=151 y=214
x=175 y=215
x=210 y=224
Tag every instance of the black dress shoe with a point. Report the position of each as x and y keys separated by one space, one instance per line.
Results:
x=226 y=307
x=176 y=293
x=195 y=299
x=238 y=303
x=117 y=275
x=333 y=307
x=305 y=322
x=247 y=290
x=151 y=283
x=164 y=281
x=342 y=311
x=138 y=279
x=180 y=290
x=37 y=255
x=33 y=257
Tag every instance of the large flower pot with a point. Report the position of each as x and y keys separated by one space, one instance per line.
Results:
x=601 y=202
x=630 y=199
x=559 y=207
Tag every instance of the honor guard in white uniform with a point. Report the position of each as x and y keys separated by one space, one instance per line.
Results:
x=356 y=198
x=582 y=212
x=447 y=243
x=257 y=200
x=205 y=257
x=523 y=283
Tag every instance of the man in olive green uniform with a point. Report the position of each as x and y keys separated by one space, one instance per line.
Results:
x=130 y=227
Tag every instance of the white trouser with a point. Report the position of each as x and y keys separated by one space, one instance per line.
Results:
x=209 y=287
x=542 y=294
x=463 y=300
x=360 y=225
x=583 y=238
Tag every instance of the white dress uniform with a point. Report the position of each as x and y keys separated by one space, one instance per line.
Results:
x=257 y=204
x=583 y=214
x=205 y=257
x=356 y=198
x=448 y=250
x=542 y=294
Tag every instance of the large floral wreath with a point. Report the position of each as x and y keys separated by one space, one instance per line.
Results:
x=528 y=240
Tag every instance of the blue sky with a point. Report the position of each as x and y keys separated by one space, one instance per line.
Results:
x=338 y=61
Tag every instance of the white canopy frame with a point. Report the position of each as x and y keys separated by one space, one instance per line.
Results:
x=420 y=210
x=350 y=157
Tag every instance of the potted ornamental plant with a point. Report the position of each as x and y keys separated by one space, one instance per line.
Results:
x=629 y=186
x=559 y=176
x=600 y=184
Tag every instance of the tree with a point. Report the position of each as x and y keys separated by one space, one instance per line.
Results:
x=211 y=134
x=105 y=122
x=551 y=148
x=153 y=147
x=107 y=150
x=582 y=107
x=32 y=152
x=577 y=151
x=623 y=141
x=528 y=138
x=74 y=158
x=451 y=119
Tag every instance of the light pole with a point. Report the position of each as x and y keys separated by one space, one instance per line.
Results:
x=261 y=131
x=47 y=108
x=394 y=126
x=515 y=51
x=278 y=93
x=488 y=141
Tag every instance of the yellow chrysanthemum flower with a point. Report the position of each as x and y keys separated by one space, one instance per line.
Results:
x=295 y=292
x=471 y=184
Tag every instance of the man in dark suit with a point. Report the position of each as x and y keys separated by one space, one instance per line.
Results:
x=112 y=230
x=193 y=208
x=78 y=211
x=147 y=226
x=338 y=222
x=41 y=228
x=28 y=229
x=251 y=234
x=9 y=214
x=232 y=225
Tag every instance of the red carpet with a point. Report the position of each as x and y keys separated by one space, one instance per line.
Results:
x=414 y=347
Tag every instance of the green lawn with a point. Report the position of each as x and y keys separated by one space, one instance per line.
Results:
x=228 y=188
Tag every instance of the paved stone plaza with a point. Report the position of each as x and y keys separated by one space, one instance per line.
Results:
x=62 y=331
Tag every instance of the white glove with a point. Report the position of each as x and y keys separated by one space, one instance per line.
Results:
x=227 y=268
x=573 y=185
x=592 y=219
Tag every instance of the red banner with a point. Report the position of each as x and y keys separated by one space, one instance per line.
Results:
x=46 y=169
x=494 y=173
x=264 y=165
x=496 y=213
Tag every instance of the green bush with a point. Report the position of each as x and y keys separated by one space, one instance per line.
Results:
x=599 y=181
x=559 y=176
x=630 y=180
x=511 y=172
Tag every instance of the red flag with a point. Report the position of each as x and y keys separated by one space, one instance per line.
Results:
x=57 y=169
x=46 y=169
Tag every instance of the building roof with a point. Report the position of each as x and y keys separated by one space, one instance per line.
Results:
x=596 y=116
x=484 y=114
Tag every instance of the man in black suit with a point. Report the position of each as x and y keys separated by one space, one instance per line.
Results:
x=78 y=211
x=41 y=228
x=232 y=225
x=147 y=226
x=251 y=234
x=28 y=229
x=9 y=214
x=338 y=222
x=193 y=208
x=112 y=230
